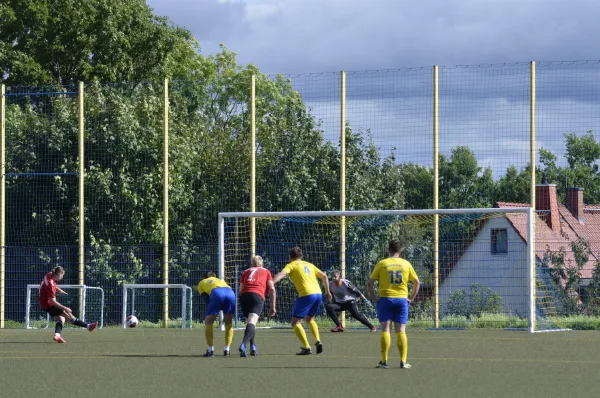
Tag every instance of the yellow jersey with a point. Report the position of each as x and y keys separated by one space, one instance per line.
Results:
x=393 y=275
x=207 y=285
x=304 y=277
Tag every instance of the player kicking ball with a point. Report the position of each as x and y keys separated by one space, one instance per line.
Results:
x=48 y=303
x=304 y=276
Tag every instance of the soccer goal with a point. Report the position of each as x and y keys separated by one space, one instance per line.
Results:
x=477 y=266
x=147 y=303
x=86 y=302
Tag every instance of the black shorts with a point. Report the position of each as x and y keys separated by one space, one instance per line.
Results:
x=251 y=303
x=53 y=311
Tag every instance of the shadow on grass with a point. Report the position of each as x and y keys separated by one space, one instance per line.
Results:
x=27 y=342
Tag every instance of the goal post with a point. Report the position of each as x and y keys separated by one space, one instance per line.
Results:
x=88 y=300
x=486 y=260
x=145 y=301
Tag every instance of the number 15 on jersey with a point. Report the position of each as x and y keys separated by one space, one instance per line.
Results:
x=395 y=277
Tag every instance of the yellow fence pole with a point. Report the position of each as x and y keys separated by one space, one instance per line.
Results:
x=166 y=203
x=81 y=240
x=252 y=164
x=532 y=238
x=2 y=202
x=343 y=181
x=436 y=225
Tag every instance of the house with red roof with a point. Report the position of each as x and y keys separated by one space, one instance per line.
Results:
x=497 y=256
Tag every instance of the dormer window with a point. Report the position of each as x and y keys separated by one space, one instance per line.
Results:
x=499 y=241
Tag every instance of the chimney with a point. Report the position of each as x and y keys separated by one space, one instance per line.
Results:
x=575 y=202
x=545 y=200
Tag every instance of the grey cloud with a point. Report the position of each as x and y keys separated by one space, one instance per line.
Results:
x=300 y=36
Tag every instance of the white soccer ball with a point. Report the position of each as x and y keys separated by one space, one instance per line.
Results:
x=132 y=321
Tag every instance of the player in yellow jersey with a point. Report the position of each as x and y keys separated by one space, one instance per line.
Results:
x=304 y=276
x=220 y=297
x=393 y=275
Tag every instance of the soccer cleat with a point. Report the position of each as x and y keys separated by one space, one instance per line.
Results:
x=382 y=365
x=304 y=351
x=242 y=350
x=59 y=339
x=373 y=329
x=405 y=365
x=226 y=353
x=253 y=351
x=92 y=326
x=319 y=347
x=209 y=354
x=337 y=329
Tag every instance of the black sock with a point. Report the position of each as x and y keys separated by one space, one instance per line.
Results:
x=77 y=322
x=248 y=333
x=58 y=327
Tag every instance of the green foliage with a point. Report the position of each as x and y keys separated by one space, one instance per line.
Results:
x=43 y=42
x=462 y=182
x=592 y=296
x=566 y=274
x=474 y=302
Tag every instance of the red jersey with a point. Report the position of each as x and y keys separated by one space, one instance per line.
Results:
x=47 y=291
x=255 y=280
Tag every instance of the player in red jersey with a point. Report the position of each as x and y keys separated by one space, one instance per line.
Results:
x=48 y=303
x=254 y=283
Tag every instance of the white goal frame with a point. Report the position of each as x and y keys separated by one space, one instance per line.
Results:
x=84 y=290
x=530 y=212
x=185 y=290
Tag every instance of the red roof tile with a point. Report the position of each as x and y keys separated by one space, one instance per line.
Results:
x=570 y=231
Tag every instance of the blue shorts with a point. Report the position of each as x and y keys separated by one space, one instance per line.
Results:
x=221 y=299
x=307 y=305
x=392 y=309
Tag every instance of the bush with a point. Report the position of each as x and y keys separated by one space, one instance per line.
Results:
x=478 y=300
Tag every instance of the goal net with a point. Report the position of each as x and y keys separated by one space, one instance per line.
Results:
x=147 y=303
x=86 y=302
x=477 y=266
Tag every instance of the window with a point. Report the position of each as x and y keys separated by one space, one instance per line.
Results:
x=499 y=241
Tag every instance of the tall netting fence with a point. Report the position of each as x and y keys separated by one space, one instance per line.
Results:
x=41 y=188
x=389 y=139
x=209 y=162
x=123 y=188
x=298 y=132
x=484 y=137
x=484 y=125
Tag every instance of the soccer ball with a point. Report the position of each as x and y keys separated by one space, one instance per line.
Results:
x=132 y=321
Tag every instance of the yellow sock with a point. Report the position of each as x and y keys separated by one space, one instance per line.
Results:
x=301 y=334
x=402 y=343
x=314 y=329
x=228 y=335
x=386 y=343
x=208 y=332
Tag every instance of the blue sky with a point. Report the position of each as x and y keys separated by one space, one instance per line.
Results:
x=484 y=107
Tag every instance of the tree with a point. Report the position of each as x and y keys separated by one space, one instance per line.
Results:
x=462 y=182
x=63 y=42
x=514 y=186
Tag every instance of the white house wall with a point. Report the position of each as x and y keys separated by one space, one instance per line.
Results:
x=505 y=274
